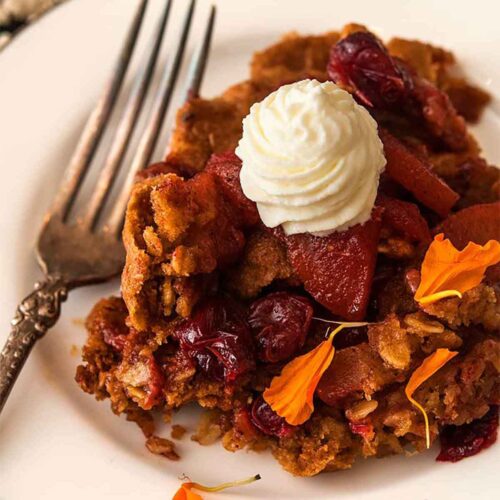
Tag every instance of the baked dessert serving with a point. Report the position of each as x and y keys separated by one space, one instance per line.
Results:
x=315 y=263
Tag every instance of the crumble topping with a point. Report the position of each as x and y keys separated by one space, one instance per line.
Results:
x=190 y=232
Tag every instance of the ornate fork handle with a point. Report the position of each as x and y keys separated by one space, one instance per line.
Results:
x=37 y=313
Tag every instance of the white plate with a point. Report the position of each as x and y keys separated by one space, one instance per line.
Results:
x=55 y=441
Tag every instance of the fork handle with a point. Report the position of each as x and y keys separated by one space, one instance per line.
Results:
x=37 y=313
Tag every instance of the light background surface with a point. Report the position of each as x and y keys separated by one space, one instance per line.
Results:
x=55 y=441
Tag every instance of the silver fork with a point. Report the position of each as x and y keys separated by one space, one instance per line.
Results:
x=73 y=254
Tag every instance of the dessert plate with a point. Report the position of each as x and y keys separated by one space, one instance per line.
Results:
x=57 y=442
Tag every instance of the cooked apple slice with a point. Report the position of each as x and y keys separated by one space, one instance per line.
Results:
x=414 y=175
x=337 y=270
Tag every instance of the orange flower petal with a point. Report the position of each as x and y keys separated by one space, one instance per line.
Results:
x=429 y=367
x=291 y=393
x=446 y=271
x=185 y=493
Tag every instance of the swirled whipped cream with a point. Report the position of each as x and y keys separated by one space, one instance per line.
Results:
x=311 y=159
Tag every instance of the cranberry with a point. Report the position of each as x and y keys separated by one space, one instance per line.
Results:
x=458 y=442
x=404 y=218
x=439 y=115
x=280 y=322
x=360 y=62
x=156 y=382
x=218 y=338
x=114 y=338
x=364 y=430
x=268 y=421
x=109 y=318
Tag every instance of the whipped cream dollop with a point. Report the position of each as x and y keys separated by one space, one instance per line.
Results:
x=311 y=159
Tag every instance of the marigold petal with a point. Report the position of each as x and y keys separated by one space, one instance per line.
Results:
x=429 y=367
x=447 y=269
x=185 y=493
x=291 y=393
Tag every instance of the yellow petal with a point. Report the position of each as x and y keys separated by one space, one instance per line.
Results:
x=291 y=393
x=429 y=367
x=447 y=271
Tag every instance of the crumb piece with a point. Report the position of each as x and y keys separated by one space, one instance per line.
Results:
x=209 y=429
x=177 y=432
x=162 y=446
x=167 y=415
x=74 y=350
x=143 y=419
x=478 y=306
x=264 y=260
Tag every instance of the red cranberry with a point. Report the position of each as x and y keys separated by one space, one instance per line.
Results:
x=268 y=421
x=280 y=322
x=361 y=62
x=362 y=429
x=109 y=319
x=156 y=381
x=404 y=218
x=115 y=339
x=218 y=338
x=458 y=442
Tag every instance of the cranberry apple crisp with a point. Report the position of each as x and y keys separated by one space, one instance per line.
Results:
x=365 y=342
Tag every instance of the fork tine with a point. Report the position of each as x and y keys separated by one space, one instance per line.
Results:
x=94 y=128
x=198 y=64
x=127 y=124
x=150 y=135
x=200 y=58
